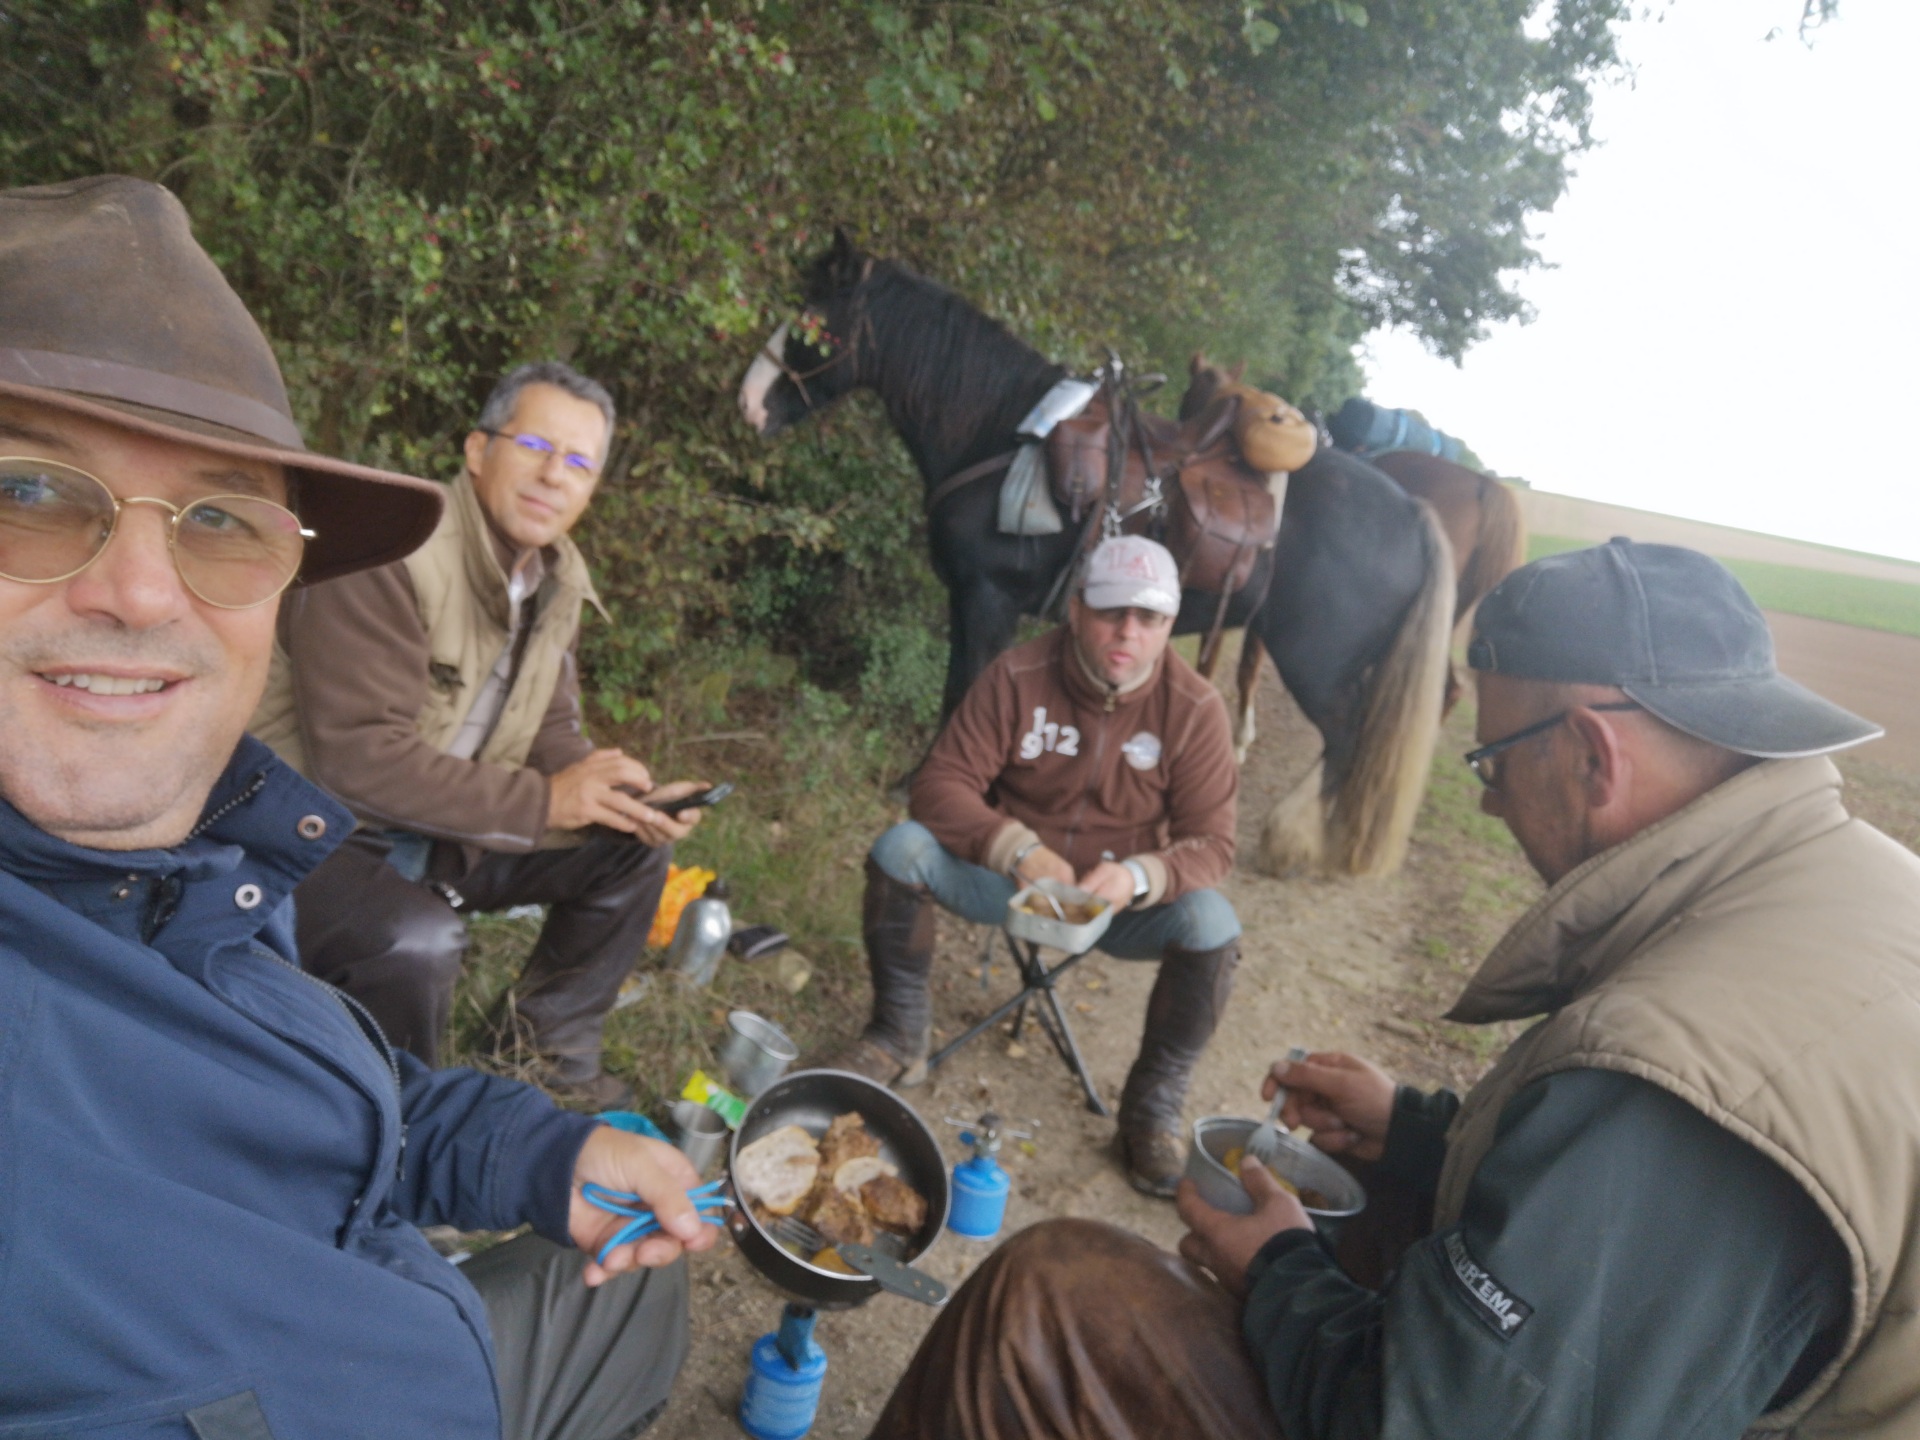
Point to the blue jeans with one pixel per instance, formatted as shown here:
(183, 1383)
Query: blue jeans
(1199, 920)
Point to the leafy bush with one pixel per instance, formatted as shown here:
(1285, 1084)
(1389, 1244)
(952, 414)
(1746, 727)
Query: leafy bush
(415, 194)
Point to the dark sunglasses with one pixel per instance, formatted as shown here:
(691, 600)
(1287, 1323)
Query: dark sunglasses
(1479, 761)
(233, 551)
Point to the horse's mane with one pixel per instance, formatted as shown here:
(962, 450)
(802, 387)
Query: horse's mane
(955, 381)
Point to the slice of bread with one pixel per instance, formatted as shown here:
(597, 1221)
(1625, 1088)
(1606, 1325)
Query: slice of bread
(778, 1169)
(854, 1173)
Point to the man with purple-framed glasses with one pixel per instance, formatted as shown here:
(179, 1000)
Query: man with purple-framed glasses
(438, 697)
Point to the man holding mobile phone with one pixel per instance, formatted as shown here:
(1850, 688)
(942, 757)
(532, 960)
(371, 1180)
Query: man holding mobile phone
(438, 697)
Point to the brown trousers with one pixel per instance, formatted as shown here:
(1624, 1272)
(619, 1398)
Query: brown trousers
(1076, 1330)
(397, 946)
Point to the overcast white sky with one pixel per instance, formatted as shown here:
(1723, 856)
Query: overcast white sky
(1732, 331)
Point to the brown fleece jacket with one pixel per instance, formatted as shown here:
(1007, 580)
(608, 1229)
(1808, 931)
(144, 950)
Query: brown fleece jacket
(1038, 748)
(360, 661)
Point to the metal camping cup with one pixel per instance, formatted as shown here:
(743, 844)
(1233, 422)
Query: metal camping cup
(1217, 1136)
(698, 1133)
(756, 1052)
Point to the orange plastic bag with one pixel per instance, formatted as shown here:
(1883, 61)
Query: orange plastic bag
(684, 883)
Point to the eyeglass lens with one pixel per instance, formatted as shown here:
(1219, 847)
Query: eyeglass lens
(232, 551)
(539, 445)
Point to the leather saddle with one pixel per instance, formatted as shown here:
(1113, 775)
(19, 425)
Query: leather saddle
(1216, 512)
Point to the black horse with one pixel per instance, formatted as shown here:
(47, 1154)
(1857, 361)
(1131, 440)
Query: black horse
(1354, 604)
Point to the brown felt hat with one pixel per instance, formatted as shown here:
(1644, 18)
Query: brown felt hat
(110, 309)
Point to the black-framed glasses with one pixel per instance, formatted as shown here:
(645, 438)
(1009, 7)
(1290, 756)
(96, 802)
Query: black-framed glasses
(232, 551)
(538, 449)
(1480, 761)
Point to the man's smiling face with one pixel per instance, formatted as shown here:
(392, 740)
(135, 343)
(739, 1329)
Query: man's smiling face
(122, 695)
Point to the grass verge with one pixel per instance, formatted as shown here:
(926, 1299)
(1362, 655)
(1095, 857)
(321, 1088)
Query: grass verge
(1862, 600)
(813, 774)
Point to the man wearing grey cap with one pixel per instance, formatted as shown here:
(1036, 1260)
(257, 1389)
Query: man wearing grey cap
(1685, 1201)
(1095, 757)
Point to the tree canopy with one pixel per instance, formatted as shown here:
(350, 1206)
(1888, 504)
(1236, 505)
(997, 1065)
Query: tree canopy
(415, 194)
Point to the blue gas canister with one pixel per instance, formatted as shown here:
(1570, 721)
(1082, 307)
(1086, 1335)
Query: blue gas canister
(783, 1386)
(980, 1186)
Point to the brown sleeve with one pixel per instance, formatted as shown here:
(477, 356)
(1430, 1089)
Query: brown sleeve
(1202, 807)
(359, 659)
(950, 790)
(560, 742)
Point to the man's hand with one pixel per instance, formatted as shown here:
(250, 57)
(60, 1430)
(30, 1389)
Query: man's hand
(1111, 881)
(1347, 1102)
(661, 1176)
(1043, 864)
(605, 789)
(1226, 1244)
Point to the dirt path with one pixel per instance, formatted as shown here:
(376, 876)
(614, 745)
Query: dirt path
(1364, 966)
(1871, 672)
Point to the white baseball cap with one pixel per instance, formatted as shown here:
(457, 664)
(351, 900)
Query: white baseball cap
(1130, 570)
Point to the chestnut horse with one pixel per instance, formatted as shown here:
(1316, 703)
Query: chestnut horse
(1481, 517)
(1354, 603)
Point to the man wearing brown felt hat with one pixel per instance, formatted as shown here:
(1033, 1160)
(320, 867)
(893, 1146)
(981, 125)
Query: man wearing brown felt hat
(212, 1166)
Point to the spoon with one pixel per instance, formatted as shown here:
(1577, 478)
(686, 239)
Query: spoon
(1264, 1144)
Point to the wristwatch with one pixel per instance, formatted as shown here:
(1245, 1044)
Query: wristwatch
(1013, 870)
(1142, 883)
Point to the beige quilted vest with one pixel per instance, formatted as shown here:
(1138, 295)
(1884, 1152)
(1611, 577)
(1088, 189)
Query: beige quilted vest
(1758, 955)
(462, 593)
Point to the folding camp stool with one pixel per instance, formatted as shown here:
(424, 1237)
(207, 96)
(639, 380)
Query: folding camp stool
(1037, 994)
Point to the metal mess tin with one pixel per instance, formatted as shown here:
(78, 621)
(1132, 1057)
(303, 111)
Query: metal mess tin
(1048, 929)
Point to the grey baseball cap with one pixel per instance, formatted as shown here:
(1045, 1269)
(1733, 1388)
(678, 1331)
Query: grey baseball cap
(1672, 628)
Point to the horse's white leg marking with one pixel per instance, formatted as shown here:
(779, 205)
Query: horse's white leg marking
(760, 377)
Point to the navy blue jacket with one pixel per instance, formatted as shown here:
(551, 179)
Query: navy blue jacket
(211, 1169)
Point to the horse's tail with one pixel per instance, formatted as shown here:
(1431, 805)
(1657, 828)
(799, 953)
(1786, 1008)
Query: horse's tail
(1499, 549)
(1371, 809)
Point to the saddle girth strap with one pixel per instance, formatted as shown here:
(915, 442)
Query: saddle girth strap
(966, 477)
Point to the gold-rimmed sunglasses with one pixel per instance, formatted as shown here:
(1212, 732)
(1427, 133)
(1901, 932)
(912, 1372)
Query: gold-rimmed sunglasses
(232, 551)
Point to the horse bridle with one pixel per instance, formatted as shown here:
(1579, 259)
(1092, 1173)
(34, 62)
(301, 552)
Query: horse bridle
(862, 325)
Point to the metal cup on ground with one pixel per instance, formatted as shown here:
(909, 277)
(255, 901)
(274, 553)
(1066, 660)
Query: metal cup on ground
(756, 1052)
(698, 1133)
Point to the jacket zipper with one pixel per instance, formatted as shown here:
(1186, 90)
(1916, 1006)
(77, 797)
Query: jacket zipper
(1092, 789)
(370, 1029)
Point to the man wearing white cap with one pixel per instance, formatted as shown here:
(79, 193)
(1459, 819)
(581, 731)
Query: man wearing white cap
(1096, 757)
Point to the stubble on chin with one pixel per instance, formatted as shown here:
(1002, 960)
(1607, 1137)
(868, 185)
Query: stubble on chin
(102, 783)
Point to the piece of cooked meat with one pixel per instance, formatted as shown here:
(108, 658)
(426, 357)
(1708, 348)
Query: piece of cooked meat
(894, 1205)
(839, 1219)
(847, 1138)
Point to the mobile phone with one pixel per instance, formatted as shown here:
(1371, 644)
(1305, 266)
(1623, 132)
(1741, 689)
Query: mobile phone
(696, 802)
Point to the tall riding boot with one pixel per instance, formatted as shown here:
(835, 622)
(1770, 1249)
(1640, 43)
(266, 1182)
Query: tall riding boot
(1189, 996)
(897, 921)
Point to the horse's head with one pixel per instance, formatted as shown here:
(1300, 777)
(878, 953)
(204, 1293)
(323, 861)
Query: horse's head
(814, 359)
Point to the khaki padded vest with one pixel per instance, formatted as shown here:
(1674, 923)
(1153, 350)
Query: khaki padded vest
(461, 590)
(1757, 955)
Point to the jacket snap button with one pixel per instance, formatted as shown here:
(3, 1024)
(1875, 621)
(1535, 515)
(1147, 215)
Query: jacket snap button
(247, 896)
(311, 827)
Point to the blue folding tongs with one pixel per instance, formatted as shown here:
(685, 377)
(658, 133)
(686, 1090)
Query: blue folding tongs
(708, 1203)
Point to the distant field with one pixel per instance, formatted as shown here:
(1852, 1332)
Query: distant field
(1822, 595)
